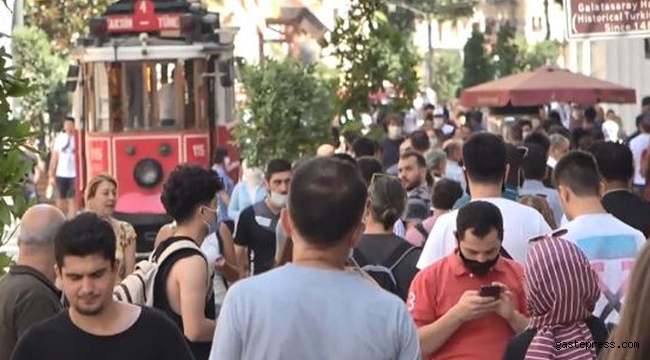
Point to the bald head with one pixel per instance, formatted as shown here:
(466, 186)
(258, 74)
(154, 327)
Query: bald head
(39, 225)
(325, 150)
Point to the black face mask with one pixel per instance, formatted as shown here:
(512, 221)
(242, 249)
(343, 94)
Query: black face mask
(477, 268)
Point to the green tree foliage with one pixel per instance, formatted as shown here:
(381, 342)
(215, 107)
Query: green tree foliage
(63, 19)
(13, 135)
(505, 50)
(288, 110)
(477, 65)
(448, 72)
(538, 55)
(371, 50)
(39, 62)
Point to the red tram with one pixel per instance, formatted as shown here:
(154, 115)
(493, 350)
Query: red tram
(155, 89)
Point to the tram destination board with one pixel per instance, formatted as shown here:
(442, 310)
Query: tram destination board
(607, 19)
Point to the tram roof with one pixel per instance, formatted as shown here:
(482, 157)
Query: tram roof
(132, 49)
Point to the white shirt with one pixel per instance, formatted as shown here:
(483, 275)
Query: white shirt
(167, 98)
(537, 188)
(637, 146)
(611, 246)
(453, 171)
(520, 222)
(65, 145)
(212, 251)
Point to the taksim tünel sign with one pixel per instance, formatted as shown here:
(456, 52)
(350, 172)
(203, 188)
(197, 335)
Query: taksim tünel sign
(606, 19)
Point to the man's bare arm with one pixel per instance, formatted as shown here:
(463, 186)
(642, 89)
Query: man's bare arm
(192, 281)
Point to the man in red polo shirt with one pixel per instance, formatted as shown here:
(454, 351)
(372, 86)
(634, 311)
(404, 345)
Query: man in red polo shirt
(456, 319)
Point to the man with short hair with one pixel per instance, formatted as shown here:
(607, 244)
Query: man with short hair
(27, 293)
(453, 170)
(418, 141)
(412, 169)
(255, 234)
(610, 244)
(616, 166)
(394, 137)
(181, 288)
(221, 162)
(456, 320)
(363, 146)
(484, 155)
(63, 171)
(274, 315)
(559, 147)
(95, 325)
(534, 169)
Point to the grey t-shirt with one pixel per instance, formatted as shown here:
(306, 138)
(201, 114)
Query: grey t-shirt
(298, 312)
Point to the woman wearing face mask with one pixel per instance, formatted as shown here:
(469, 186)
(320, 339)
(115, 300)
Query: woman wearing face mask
(100, 197)
(247, 192)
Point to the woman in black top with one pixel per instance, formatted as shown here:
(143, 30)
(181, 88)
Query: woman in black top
(561, 293)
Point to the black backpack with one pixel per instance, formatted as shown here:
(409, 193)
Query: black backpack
(383, 273)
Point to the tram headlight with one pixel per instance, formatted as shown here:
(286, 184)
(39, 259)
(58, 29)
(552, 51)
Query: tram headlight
(148, 173)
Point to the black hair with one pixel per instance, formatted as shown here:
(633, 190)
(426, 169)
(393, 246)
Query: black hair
(590, 114)
(369, 166)
(277, 166)
(338, 190)
(578, 171)
(363, 146)
(525, 122)
(484, 157)
(387, 200)
(429, 106)
(220, 155)
(645, 101)
(85, 234)
(514, 158)
(559, 129)
(615, 161)
(68, 118)
(534, 163)
(540, 140)
(445, 194)
(481, 217)
(420, 140)
(555, 117)
(419, 158)
(188, 187)
(577, 134)
(347, 158)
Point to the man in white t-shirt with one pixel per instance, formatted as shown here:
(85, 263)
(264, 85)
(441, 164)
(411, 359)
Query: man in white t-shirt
(63, 171)
(610, 244)
(484, 157)
(638, 145)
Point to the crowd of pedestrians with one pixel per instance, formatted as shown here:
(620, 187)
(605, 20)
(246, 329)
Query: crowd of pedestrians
(443, 242)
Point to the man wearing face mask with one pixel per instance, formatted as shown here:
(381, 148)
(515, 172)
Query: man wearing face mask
(455, 317)
(189, 197)
(255, 240)
(392, 141)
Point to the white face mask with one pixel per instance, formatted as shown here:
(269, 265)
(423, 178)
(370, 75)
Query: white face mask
(279, 200)
(394, 131)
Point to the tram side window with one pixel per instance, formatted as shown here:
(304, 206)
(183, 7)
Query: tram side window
(102, 97)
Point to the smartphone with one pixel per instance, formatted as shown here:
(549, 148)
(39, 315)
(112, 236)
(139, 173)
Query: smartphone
(491, 291)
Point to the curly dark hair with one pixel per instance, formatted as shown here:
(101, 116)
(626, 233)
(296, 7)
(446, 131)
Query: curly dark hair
(187, 187)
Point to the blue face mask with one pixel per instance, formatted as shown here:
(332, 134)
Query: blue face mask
(211, 225)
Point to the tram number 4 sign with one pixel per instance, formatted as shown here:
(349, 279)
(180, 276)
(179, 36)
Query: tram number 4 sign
(607, 19)
(143, 19)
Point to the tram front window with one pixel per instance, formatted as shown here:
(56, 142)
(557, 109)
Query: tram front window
(137, 95)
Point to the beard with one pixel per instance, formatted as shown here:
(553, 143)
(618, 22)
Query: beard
(88, 309)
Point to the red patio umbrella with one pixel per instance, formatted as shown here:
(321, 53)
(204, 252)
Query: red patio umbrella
(544, 85)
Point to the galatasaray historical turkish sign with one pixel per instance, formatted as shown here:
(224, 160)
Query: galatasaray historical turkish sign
(606, 19)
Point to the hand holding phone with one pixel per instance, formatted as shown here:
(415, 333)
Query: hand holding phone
(490, 291)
